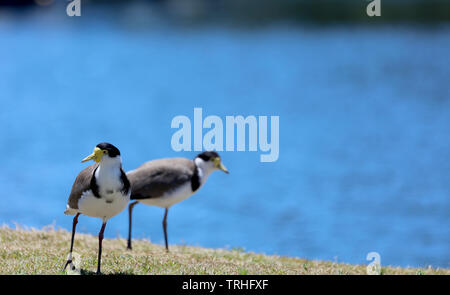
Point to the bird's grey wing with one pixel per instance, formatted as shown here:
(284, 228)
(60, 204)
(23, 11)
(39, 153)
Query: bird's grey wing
(82, 183)
(155, 178)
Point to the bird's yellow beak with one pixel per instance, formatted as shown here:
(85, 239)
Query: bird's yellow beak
(218, 164)
(96, 155)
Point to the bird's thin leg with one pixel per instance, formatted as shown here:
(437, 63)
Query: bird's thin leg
(74, 226)
(130, 212)
(100, 240)
(165, 228)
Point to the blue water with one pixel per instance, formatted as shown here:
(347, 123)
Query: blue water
(364, 131)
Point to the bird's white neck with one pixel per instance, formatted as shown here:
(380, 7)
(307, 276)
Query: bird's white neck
(204, 169)
(110, 164)
(108, 174)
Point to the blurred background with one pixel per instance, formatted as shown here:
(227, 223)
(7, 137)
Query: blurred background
(364, 106)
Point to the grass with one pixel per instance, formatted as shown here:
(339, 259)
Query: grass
(44, 251)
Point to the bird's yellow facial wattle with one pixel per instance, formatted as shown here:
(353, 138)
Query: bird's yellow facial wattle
(96, 155)
(218, 164)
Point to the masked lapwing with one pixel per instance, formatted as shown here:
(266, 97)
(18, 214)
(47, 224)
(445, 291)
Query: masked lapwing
(165, 182)
(101, 190)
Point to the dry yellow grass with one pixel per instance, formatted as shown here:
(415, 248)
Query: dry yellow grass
(44, 252)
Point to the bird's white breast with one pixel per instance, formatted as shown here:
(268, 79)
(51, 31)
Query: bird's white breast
(112, 201)
(171, 197)
(104, 208)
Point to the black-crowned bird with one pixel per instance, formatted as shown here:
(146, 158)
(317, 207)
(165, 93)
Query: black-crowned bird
(165, 182)
(101, 190)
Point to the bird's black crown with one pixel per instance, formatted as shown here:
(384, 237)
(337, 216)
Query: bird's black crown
(206, 156)
(112, 150)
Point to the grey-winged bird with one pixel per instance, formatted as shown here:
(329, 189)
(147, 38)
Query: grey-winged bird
(101, 190)
(165, 182)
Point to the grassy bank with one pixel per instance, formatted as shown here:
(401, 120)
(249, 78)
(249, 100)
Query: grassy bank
(44, 252)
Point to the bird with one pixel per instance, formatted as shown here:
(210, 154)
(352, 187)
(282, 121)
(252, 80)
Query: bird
(100, 190)
(168, 181)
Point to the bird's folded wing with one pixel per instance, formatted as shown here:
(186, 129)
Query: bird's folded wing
(154, 178)
(82, 183)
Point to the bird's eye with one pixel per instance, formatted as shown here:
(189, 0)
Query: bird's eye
(104, 152)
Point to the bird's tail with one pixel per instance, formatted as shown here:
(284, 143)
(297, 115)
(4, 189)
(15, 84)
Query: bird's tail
(70, 211)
